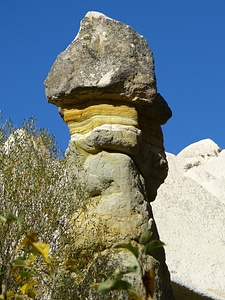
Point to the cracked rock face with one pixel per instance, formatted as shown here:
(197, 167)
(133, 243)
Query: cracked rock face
(109, 58)
(104, 85)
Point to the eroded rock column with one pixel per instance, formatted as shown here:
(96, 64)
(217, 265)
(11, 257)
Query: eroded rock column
(104, 85)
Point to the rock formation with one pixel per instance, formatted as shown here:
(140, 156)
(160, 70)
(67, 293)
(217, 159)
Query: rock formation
(105, 87)
(190, 218)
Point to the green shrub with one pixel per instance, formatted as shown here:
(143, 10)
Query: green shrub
(40, 197)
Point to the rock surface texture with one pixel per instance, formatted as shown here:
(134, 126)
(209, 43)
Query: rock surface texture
(105, 87)
(191, 218)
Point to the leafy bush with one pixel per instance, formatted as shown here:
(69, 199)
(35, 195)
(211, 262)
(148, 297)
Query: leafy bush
(117, 280)
(37, 195)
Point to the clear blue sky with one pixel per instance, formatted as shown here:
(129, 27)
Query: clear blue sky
(187, 39)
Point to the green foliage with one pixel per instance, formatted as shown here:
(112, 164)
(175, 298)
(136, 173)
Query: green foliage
(145, 237)
(116, 282)
(128, 246)
(37, 195)
(25, 263)
(149, 247)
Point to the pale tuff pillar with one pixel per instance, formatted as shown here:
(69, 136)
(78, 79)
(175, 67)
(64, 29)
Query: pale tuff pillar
(105, 87)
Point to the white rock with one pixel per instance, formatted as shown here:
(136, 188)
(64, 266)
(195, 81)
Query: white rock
(204, 147)
(190, 214)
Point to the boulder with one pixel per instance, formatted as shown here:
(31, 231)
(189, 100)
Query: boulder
(108, 60)
(190, 219)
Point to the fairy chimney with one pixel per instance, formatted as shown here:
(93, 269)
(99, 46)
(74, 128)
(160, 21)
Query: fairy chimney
(105, 87)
